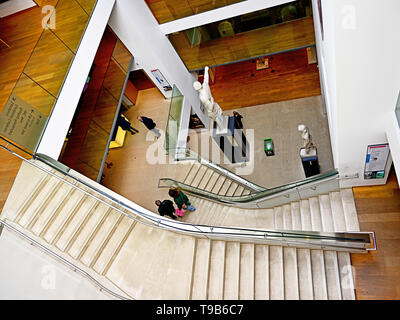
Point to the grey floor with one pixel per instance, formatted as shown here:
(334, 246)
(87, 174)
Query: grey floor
(278, 121)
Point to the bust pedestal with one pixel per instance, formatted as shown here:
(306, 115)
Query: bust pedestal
(310, 162)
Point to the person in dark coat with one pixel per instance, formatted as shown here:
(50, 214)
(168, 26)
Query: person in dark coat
(238, 120)
(150, 124)
(126, 125)
(166, 208)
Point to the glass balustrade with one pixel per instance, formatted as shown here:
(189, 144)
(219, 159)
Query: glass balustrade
(29, 106)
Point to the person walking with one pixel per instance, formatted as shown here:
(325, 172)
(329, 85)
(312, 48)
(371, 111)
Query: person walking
(126, 125)
(166, 208)
(181, 200)
(150, 124)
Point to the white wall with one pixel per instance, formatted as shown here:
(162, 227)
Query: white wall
(13, 6)
(27, 272)
(361, 69)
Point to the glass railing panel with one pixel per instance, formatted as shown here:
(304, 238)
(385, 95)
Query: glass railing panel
(276, 29)
(114, 79)
(173, 123)
(397, 110)
(122, 55)
(169, 10)
(49, 63)
(93, 149)
(24, 116)
(319, 187)
(104, 111)
(87, 5)
(71, 21)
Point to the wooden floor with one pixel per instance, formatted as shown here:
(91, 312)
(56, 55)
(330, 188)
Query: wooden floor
(377, 274)
(288, 77)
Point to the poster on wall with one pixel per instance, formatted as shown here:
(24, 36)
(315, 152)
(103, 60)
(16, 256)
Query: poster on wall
(375, 162)
(161, 80)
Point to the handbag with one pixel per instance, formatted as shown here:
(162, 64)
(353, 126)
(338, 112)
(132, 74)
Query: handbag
(179, 212)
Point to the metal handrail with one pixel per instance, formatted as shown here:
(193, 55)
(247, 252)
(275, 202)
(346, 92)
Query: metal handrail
(252, 200)
(215, 232)
(68, 263)
(181, 155)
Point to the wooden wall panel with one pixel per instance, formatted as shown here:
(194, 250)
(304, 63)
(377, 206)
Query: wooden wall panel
(258, 42)
(168, 10)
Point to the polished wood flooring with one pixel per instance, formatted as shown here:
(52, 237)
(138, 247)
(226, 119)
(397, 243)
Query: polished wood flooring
(377, 275)
(288, 77)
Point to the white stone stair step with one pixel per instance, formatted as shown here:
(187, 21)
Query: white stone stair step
(54, 225)
(98, 241)
(326, 213)
(296, 215)
(52, 208)
(265, 219)
(246, 192)
(291, 279)
(217, 267)
(218, 185)
(276, 280)
(350, 211)
(201, 270)
(114, 244)
(212, 181)
(149, 276)
(238, 191)
(206, 179)
(306, 290)
(221, 214)
(225, 187)
(232, 189)
(261, 272)
(232, 270)
(278, 218)
(315, 214)
(192, 173)
(287, 217)
(34, 207)
(199, 176)
(247, 266)
(339, 221)
(346, 276)
(306, 224)
(318, 275)
(88, 231)
(21, 191)
(72, 227)
(332, 275)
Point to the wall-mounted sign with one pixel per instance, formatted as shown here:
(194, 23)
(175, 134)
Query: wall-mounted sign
(375, 163)
(21, 123)
(161, 80)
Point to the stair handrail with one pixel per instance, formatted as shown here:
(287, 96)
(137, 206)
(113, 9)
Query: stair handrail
(252, 200)
(185, 154)
(290, 238)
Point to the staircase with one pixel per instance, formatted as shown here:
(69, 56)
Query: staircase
(148, 263)
(202, 177)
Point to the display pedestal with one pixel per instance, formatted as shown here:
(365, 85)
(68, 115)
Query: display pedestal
(232, 141)
(310, 162)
